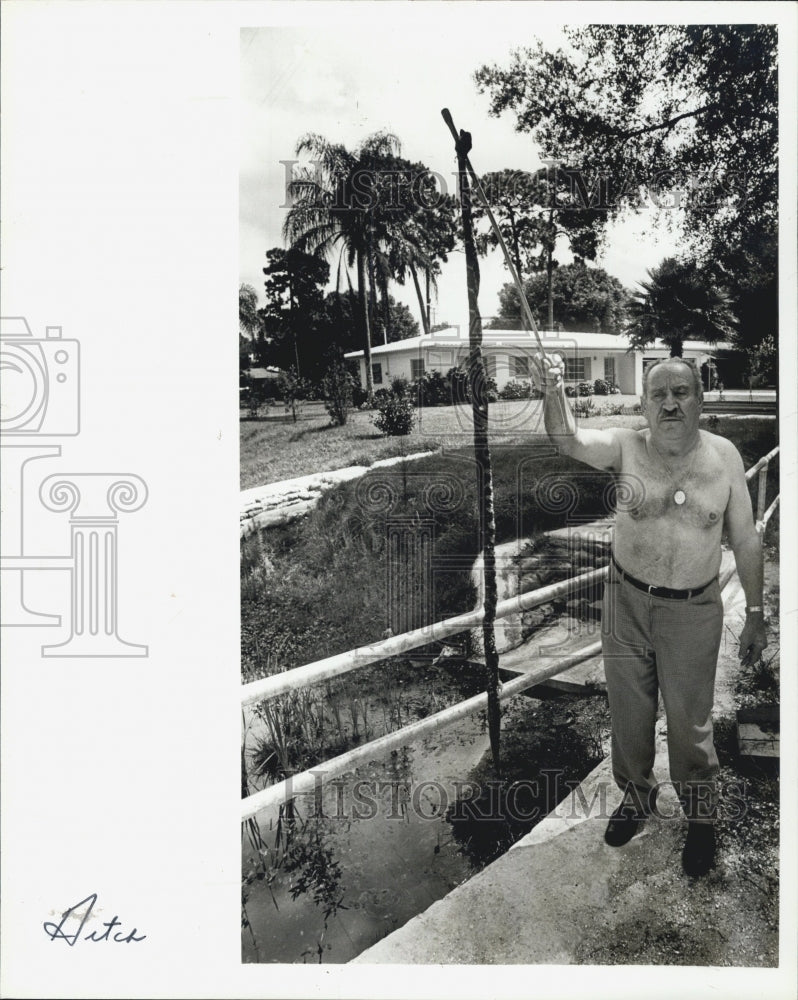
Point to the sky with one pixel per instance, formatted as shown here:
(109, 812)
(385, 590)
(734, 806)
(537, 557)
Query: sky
(350, 78)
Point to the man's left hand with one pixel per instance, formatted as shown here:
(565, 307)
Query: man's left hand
(753, 639)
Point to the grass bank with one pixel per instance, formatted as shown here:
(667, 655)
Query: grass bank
(273, 447)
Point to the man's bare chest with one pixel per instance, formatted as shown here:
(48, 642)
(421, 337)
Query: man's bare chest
(694, 498)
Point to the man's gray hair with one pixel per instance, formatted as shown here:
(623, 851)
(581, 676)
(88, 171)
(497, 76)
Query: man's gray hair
(699, 388)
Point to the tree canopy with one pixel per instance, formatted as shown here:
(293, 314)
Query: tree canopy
(584, 298)
(333, 208)
(679, 302)
(294, 301)
(340, 324)
(684, 115)
(534, 211)
(384, 213)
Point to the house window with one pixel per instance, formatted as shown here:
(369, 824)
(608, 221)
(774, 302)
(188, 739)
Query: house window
(609, 370)
(520, 367)
(490, 365)
(574, 369)
(441, 359)
(376, 373)
(416, 368)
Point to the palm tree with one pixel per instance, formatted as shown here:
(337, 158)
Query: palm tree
(249, 322)
(680, 302)
(334, 205)
(417, 229)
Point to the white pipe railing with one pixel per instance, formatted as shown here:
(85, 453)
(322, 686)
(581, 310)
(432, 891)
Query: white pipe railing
(763, 523)
(341, 663)
(306, 781)
(765, 460)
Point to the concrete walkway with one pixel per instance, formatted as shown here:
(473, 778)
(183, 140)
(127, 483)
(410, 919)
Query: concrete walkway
(562, 896)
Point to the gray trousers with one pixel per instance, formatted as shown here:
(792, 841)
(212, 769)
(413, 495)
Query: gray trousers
(652, 645)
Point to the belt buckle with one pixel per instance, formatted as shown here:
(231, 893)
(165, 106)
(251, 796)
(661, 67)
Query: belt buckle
(651, 588)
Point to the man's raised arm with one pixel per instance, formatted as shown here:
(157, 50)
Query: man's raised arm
(599, 448)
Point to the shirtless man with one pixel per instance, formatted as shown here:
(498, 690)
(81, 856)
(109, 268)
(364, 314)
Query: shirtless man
(662, 614)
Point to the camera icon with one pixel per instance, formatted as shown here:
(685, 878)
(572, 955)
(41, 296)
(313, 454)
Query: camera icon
(40, 381)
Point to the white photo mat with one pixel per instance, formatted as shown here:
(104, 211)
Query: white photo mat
(120, 168)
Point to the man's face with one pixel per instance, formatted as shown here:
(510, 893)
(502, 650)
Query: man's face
(671, 403)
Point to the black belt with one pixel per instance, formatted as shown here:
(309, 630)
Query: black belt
(649, 588)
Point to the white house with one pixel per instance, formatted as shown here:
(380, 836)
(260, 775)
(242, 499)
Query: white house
(507, 354)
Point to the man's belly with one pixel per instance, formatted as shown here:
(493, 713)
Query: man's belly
(667, 552)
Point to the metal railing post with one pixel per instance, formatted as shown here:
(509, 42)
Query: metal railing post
(761, 491)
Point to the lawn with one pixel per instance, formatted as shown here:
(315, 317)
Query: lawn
(273, 447)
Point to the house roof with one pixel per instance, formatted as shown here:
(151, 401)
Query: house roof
(454, 337)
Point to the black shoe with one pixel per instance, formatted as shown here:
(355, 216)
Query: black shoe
(698, 855)
(623, 825)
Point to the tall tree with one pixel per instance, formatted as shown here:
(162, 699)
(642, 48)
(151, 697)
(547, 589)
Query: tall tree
(583, 298)
(333, 204)
(294, 295)
(534, 211)
(416, 229)
(248, 318)
(340, 322)
(684, 115)
(679, 303)
(250, 325)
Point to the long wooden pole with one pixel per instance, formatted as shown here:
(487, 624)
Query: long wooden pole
(526, 312)
(479, 408)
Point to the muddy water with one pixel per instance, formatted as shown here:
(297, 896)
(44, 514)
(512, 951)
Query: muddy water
(376, 847)
(382, 848)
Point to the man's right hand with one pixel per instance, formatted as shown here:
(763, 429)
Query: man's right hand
(549, 371)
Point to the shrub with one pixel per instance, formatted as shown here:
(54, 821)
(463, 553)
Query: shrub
(516, 390)
(611, 410)
(584, 408)
(395, 414)
(400, 386)
(585, 389)
(251, 400)
(337, 386)
(570, 390)
(461, 389)
(294, 391)
(359, 396)
(432, 389)
(601, 387)
(614, 389)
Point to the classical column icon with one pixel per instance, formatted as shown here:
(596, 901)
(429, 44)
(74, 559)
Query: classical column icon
(94, 501)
